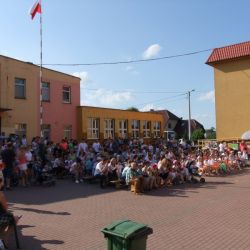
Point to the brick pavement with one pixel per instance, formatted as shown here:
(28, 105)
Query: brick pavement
(214, 215)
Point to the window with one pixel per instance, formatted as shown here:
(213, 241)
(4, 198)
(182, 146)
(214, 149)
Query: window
(169, 126)
(46, 129)
(20, 88)
(123, 128)
(45, 91)
(146, 129)
(66, 95)
(67, 132)
(157, 129)
(109, 129)
(20, 129)
(135, 125)
(93, 128)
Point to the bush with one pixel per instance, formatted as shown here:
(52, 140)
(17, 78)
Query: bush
(198, 134)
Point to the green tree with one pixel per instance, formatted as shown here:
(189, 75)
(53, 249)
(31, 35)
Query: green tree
(211, 133)
(198, 134)
(133, 109)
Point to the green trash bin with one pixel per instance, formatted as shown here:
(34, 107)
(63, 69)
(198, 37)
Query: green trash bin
(126, 235)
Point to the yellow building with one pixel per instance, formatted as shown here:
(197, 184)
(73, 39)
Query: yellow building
(105, 123)
(232, 89)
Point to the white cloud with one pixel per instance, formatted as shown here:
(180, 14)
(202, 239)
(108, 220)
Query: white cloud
(152, 51)
(102, 97)
(84, 77)
(208, 96)
(150, 106)
(131, 69)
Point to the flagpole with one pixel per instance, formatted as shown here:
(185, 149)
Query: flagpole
(41, 73)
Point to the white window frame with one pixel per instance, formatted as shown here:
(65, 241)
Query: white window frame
(67, 132)
(123, 129)
(46, 130)
(45, 91)
(109, 128)
(20, 129)
(146, 129)
(157, 129)
(20, 82)
(93, 128)
(135, 128)
(68, 92)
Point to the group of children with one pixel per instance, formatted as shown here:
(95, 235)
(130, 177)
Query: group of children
(149, 165)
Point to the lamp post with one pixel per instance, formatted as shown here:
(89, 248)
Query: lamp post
(189, 114)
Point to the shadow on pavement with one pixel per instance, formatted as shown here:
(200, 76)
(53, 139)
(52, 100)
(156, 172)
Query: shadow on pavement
(67, 190)
(38, 211)
(183, 189)
(31, 242)
(62, 191)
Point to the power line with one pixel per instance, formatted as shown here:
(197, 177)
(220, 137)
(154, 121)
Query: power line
(161, 99)
(136, 92)
(144, 92)
(130, 61)
(169, 101)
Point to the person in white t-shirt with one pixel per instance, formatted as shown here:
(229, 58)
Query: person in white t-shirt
(221, 147)
(101, 171)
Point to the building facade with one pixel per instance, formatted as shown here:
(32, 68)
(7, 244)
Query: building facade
(20, 101)
(232, 90)
(105, 123)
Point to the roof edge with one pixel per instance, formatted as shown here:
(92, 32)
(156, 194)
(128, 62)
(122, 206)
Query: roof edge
(85, 106)
(35, 65)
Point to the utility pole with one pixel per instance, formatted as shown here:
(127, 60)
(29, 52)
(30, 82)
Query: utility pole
(189, 114)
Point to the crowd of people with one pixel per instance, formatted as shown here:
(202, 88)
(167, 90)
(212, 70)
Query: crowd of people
(148, 165)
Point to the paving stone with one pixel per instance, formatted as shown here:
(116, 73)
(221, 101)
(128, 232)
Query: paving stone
(214, 215)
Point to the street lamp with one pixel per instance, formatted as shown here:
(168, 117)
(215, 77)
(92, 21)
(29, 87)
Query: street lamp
(189, 114)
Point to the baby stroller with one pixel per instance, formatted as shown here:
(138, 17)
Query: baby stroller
(43, 175)
(193, 171)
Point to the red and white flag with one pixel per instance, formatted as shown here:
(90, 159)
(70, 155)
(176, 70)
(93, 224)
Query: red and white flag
(36, 8)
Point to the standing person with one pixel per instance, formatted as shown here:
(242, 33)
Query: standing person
(22, 165)
(42, 151)
(221, 147)
(24, 140)
(8, 157)
(96, 146)
(82, 147)
(28, 156)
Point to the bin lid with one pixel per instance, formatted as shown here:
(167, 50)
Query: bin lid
(127, 229)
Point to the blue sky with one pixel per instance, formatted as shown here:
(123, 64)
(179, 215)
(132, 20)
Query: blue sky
(85, 31)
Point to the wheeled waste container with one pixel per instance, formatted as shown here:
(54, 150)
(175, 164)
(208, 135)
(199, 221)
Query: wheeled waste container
(126, 235)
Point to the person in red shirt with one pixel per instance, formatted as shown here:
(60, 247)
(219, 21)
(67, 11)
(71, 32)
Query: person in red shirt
(64, 147)
(243, 146)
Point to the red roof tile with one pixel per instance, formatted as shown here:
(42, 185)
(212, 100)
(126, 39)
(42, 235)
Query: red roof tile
(229, 52)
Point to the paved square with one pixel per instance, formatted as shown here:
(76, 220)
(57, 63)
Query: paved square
(214, 215)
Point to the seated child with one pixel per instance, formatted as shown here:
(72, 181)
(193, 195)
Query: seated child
(77, 170)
